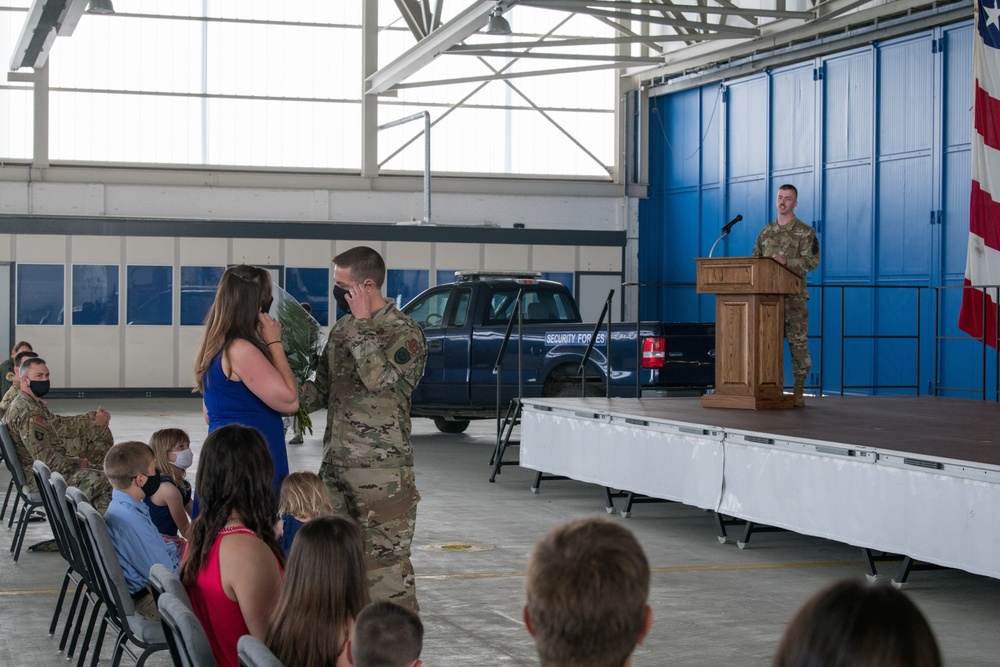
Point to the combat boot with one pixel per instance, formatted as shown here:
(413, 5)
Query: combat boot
(798, 393)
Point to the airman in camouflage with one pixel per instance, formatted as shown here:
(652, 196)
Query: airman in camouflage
(7, 375)
(374, 358)
(68, 445)
(15, 386)
(793, 244)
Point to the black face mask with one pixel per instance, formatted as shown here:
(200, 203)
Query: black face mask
(266, 308)
(339, 295)
(152, 484)
(38, 387)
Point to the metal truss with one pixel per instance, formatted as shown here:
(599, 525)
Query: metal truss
(655, 39)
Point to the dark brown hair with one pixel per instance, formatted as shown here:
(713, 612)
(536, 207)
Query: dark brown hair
(243, 290)
(587, 585)
(324, 589)
(856, 624)
(386, 635)
(789, 186)
(234, 474)
(364, 263)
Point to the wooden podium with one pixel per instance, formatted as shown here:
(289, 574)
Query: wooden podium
(749, 330)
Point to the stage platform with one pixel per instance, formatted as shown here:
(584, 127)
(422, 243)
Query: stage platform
(915, 476)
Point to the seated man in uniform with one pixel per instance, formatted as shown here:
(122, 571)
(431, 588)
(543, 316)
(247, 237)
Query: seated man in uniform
(66, 445)
(15, 388)
(587, 585)
(7, 377)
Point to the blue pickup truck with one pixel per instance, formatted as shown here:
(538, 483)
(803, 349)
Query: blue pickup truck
(465, 322)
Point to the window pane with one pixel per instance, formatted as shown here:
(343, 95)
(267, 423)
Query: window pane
(311, 286)
(95, 294)
(150, 295)
(40, 295)
(402, 285)
(198, 286)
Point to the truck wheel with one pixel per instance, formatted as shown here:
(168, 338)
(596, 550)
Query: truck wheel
(449, 426)
(573, 390)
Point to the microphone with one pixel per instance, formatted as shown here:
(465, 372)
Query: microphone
(729, 225)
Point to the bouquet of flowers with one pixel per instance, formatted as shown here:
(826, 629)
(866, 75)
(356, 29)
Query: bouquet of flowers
(300, 336)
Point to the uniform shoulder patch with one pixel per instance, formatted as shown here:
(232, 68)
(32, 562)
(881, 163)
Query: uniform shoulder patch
(413, 346)
(401, 356)
(38, 419)
(10, 376)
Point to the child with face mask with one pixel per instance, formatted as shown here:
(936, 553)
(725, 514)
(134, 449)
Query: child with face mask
(132, 472)
(170, 505)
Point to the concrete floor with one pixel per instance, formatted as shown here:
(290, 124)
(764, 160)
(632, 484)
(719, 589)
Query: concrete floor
(713, 603)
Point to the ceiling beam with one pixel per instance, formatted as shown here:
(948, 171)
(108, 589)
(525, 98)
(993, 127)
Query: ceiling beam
(469, 21)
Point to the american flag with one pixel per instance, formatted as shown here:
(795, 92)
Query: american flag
(979, 307)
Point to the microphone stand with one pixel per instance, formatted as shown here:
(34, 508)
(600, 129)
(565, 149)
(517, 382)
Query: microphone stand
(724, 235)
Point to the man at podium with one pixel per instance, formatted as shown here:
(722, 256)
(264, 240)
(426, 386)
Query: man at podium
(793, 244)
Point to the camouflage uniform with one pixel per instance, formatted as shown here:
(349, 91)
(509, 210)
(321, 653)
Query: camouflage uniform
(60, 443)
(9, 395)
(365, 378)
(797, 243)
(6, 374)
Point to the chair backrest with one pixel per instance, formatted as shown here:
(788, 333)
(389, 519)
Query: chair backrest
(189, 645)
(65, 514)
(109, 573)
(252, 652)
(164, 581)
(10, 458)
(49, 501)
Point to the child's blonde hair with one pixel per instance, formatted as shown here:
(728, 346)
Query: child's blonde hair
(303, 494)
(126, 461)
(161, 442)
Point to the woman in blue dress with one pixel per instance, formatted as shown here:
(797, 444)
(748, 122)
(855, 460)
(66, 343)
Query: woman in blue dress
(241, 370)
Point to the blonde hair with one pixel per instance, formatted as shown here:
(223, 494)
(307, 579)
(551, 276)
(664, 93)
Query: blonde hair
(243, 291)
(161, 442)
(304, 494)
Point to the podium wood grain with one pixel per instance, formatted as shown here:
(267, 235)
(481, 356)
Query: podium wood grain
(749, 332)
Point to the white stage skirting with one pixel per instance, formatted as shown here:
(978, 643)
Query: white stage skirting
(935, 510)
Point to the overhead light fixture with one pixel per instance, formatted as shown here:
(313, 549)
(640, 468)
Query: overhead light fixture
(101, 7)
(497, 24)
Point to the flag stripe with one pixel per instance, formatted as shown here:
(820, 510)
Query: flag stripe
(983, 216)
(988, 118)
(978, 315)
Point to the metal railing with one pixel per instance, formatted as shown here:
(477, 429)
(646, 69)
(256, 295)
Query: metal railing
(839, 328)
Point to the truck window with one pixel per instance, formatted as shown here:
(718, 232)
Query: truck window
(461, 314)
(540, 306)
(429, 311)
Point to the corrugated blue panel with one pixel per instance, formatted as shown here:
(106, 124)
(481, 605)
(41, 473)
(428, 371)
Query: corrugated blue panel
(751, 200)
(905, 233)
(675, 118)
(906, 97)
(711, 122)
(846, 251)
(793, 114)
(957, 85)
(746, 131)
(651, 250)
(711, 217)
(955, 218)
(848, 100)
(680, 236)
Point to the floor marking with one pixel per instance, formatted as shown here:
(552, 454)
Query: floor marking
(658, 570)
(37, 591)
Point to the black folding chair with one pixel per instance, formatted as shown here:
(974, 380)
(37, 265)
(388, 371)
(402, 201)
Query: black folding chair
(32, 500)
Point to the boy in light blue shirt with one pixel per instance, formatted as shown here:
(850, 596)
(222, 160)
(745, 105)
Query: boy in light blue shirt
(132, 472)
